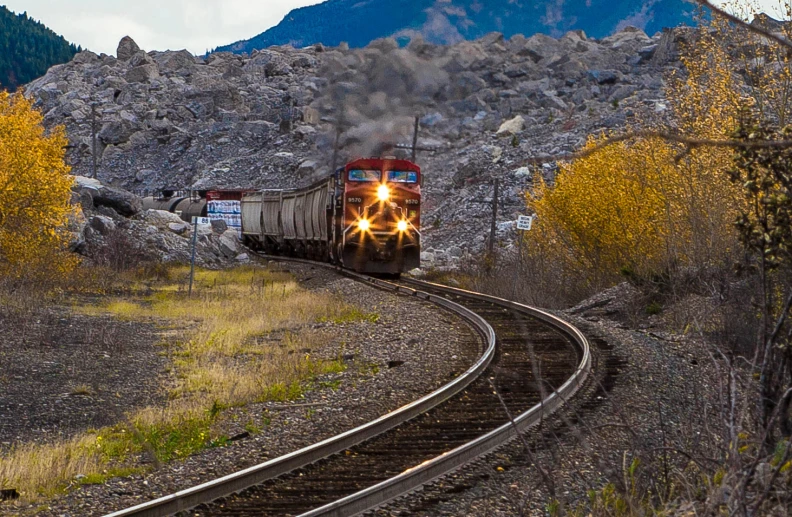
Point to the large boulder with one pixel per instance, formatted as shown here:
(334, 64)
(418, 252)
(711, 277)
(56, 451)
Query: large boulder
(229, 243)
(161, 218)
(127, 48)
(177, 61)
(115, 132)
(123, 202)
(142, 74)
(102, 224)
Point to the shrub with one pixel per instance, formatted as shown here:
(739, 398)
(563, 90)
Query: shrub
(35, 189)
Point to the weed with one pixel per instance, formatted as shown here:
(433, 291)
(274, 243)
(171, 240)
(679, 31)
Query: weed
(82, 390)
(369, 369)
(350, 314)
(252, 428)
(220, 441)
(97, 478)
(333, 385)
(654, 308)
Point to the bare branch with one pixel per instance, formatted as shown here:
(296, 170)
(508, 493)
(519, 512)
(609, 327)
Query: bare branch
(742, 23)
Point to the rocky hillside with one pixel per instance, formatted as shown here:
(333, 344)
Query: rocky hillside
(451, 21)
(168, 119)
(28, 49)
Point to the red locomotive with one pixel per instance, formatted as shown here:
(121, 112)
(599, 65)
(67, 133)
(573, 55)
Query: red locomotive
(366, 217)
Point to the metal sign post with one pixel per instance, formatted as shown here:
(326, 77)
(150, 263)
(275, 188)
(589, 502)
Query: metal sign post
(196, 221)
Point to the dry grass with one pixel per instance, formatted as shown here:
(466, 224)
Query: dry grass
(33, 468)
(247, 330)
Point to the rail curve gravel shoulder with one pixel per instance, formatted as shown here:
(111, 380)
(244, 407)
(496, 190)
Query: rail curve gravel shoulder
(238, 481)
(420, 475)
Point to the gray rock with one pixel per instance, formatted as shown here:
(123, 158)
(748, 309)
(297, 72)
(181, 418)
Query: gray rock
(127, 48)
(179, 228)
(307, 167)
(85, 57)
(523, 172)
(512, 127)
(304, 131)
(582, 95)
(160, 218)
(123, 202)
(102, 224)
(114, 133)
(243, 258)
(229, 243)
(142, 74)
(179, 61)
(622, 92)
(144, 174)
(219, 226)
(549, 100)
(604, 76)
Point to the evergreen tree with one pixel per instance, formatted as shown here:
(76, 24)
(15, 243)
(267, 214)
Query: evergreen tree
(28, 49)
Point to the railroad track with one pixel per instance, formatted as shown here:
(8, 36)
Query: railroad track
(471, 416)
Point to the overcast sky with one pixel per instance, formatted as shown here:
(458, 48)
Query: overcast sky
(196, 25)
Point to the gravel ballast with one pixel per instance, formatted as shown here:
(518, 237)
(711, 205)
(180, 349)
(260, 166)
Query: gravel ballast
(650, 391)
(407, 350)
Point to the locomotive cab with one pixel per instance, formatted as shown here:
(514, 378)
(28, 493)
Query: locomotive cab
(382, 216)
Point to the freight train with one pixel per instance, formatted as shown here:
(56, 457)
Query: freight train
(366, 217)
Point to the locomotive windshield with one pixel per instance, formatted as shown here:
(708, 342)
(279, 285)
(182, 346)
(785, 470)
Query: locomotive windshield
(364, 175)
(403, 176)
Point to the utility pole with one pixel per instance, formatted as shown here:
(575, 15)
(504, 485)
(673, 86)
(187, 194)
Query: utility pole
(291, 114)
(335, 149)
(93, 138)
(415, 139)
(493, 226)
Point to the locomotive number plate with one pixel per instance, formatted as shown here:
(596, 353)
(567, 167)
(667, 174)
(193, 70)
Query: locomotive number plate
(413, 201)
(354, 200)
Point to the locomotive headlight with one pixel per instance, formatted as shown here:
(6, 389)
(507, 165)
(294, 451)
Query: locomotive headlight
(383, 193)
(364, 225)
(402, 226)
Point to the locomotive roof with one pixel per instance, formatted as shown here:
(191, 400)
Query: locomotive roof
(379, 163)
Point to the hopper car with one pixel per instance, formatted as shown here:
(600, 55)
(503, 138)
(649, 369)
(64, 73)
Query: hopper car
(365, 216)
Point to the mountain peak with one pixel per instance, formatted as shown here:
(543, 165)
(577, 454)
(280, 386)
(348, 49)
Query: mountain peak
(451, 21)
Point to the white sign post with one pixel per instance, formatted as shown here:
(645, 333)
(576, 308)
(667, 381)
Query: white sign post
(196, 221)
(524, 224)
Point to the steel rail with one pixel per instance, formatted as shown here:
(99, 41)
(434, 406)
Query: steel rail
(430, 470)
(238, 481)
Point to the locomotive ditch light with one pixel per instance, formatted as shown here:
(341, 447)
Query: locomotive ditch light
(364, 225)
(402, 226)
(383, 193)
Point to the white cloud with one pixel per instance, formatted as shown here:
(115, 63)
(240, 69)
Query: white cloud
(157, 24)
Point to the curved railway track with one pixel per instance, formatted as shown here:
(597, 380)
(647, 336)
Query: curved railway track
(469, 417)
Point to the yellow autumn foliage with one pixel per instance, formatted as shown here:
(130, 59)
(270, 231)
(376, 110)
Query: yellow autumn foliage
(35, 188)
(650, 206)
